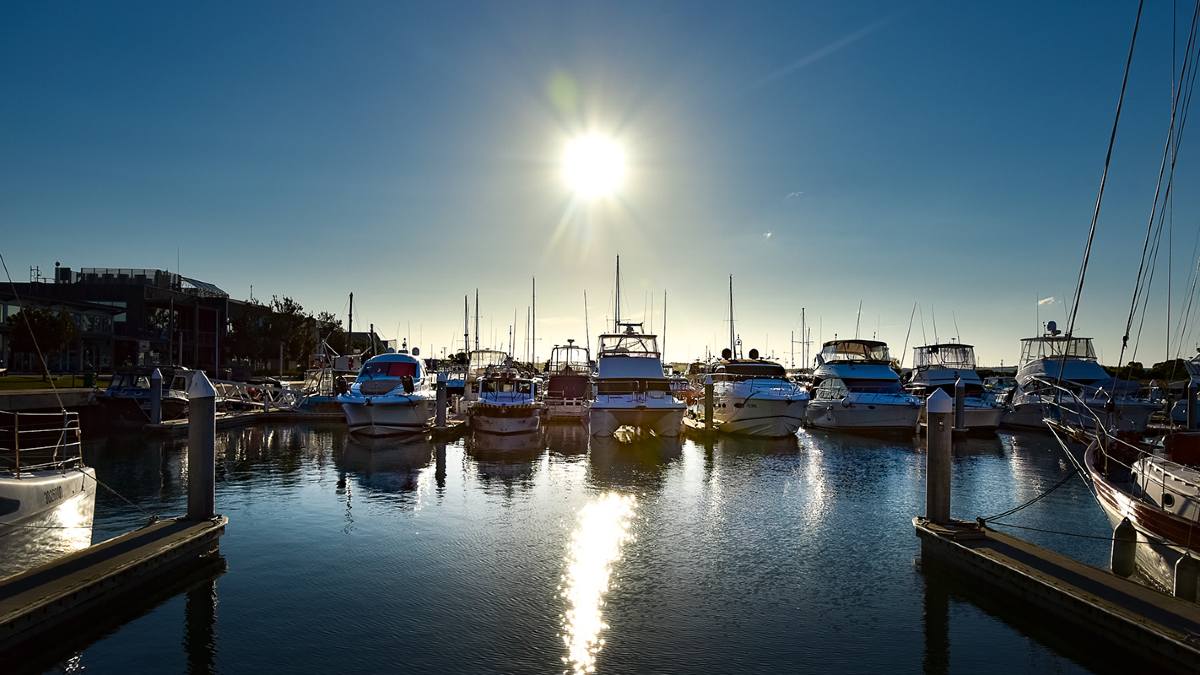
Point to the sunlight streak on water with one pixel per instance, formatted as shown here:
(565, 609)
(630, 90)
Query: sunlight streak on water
(601, 530)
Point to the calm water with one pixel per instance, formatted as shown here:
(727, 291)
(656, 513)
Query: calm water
(655, 556)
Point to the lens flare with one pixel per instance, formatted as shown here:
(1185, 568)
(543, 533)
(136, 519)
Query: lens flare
(593, 166)
(601, 531)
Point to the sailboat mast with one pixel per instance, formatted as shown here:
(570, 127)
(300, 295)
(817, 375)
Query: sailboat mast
(533, 336)
(664, 344)
(350, 321)
(803, 342)
(587, 333)
(617, 300)
(476, 318)
(732, 334)
(466, 324)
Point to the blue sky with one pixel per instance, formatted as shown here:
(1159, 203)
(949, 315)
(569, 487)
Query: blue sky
(940, 153)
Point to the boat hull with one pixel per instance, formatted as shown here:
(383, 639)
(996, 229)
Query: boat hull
(567, 411)
(979, 420)
(762, 417)
(46, 514)
(388, 419)
(1133, 417)
(662, 421)
(859, 417)
(504, 420)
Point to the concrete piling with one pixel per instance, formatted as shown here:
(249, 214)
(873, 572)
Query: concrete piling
(156, 397)
(960, 405)
(1124, 549)
(708, 403)
(1187, 578)
(202, 453)
(939, 441)
(440, 415)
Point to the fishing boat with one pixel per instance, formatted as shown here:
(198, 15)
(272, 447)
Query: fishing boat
(941, 366)
(753, 397)
(392, 395)
(47, 494)
(568, 383)
(631, 387)
(1054, 364)
(507, 403)
(856, 389)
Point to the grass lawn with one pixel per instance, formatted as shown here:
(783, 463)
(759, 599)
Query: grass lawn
(13, 382)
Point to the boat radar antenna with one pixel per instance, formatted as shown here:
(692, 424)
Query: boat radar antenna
(1052, 328)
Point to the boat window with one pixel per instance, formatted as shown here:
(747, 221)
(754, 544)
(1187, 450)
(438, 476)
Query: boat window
(507, 387)
(960, 357)
(874, 386)
(389, 369)
(832, 388)
(629, 344)
(1168, 499)
(741, 371)
(1051, 346)
(854, 350)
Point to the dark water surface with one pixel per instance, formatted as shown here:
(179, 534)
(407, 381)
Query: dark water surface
(648, 557)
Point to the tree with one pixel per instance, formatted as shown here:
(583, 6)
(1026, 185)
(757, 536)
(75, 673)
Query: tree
(33, 328)
(291, 327)
(330, 329)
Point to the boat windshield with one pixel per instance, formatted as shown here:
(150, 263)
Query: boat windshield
(389, 369)
(629, 344)
(873, 386)
(957, 356)
(1055, 346)
(569, 358)
(481, 359)
(855, 350)
(507, 386)
(745, 371)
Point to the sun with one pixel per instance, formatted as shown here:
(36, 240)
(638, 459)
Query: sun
(593, 166)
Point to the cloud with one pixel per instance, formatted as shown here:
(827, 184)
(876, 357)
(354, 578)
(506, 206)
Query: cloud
(828, 49)
(1047, 301)
(794, 195)
(768, 235)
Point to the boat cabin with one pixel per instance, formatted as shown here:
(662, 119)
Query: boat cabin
(854, 351)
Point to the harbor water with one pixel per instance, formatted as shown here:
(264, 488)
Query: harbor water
(577, 554)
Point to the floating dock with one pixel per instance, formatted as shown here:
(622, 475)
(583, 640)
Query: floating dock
(1162, 629)
(179, 428)
(84, 585)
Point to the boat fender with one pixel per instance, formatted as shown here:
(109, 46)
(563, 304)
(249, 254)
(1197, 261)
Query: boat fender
(846, 402)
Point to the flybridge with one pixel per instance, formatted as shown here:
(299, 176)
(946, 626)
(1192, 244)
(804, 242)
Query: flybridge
(629, 342)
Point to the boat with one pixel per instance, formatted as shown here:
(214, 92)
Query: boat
(126, 400)
(506, 403)
(941, 366)
(631, 387)
(753, 397)
(393, 394)
(1179, 408)
(1053, 365)
(47, 494)
(856, 389)
(328, 377)
(568, 383)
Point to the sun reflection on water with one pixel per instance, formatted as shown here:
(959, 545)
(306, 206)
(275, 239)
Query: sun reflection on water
(601, 530)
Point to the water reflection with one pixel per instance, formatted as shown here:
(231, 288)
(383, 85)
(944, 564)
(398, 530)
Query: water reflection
(635, 464)
(602, 528)
(50, 534)
(386, 465)
(199, 627)
(507, 460)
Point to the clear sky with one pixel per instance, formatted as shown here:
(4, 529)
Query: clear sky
(822, 153)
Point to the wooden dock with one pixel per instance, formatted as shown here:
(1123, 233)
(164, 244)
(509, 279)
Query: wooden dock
(179, 428)
(1123, 613)
(86, 585)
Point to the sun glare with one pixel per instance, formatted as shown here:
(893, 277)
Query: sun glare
(594, 166)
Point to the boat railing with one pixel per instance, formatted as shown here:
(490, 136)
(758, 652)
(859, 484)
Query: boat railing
(250, 394)
(1078, 419)
(34, 441)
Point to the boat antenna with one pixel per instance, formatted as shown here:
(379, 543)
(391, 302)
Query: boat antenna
(664, 336)
(587, 333)
(732, 336)
(933, 314)
(858, 318)
(957, 333)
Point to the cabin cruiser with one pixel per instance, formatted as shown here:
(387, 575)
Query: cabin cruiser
(393, 394)
(631, 386)
(856, 389)
(1179, 409)
(506, 404)
(47, 494)
(941, 366)
(754, 397)
(127, 399)
(568, 383)
(1055, 362)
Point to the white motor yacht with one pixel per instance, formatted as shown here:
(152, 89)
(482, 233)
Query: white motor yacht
(940, 366)
(631, 386)
(856, 389)
(1055, 362)
(507, 403)
(393, 394)
(754, 397)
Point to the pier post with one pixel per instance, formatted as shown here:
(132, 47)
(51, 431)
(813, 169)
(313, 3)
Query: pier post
(939, 440)
(1187, 577)
(439, 420)
(708, 403)
(202, 455)
(960, 414)
(1192, 421)
(156, 397)
(1124, 549)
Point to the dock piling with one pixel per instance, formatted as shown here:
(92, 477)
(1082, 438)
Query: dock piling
(1187, 578)
(202, 455)
(440, 418)
(156, 397)
(708, 403)
(1124, 549)
(939, 440)
(960, 414)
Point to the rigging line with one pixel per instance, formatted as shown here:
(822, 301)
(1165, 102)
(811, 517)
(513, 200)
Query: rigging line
(32, 336)
(1162, 167)
(1034, 500)
(1193, 272)
(1112, 139)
